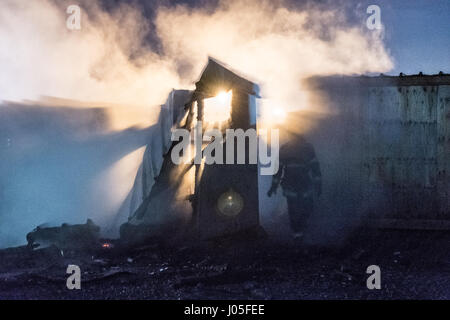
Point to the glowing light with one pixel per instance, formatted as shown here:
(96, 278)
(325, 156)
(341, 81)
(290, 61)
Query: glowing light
(218, 108)
(230, 203)
(278, 115)
(223, 97)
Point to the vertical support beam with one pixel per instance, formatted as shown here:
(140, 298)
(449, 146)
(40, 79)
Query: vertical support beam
(190, 116)
(200, 109)
(200, 112)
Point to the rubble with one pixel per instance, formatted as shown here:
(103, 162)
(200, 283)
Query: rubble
(257, 269)
(65, 237)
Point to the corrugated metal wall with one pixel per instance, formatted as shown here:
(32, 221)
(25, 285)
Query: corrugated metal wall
(400, 153)
(398, 133)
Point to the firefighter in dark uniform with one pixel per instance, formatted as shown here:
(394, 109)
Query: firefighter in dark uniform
(299, 175)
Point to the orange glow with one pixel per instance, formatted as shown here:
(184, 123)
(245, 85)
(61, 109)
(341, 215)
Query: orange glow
(218, 108)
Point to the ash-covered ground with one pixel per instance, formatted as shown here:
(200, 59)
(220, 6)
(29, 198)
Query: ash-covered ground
(414, 265)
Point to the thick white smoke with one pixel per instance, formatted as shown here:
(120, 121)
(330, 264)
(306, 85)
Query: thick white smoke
(271, 44)
(109, 60)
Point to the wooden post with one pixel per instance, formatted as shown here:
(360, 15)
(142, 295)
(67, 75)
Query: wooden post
(200, 112)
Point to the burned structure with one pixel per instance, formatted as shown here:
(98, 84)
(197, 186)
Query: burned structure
(211, 199)
(383, 148)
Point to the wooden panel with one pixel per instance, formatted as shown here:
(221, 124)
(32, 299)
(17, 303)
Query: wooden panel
(215, 179)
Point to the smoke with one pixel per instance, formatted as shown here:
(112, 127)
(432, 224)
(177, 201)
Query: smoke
(109, 59)
(272, 44)
(125, 61)
(41, 56)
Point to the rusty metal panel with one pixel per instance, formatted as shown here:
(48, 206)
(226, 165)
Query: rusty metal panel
(443, 151)
(397, 131)
(400, 151)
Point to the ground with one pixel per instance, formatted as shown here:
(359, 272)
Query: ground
(414, 265)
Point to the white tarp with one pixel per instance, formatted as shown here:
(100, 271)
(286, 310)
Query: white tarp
(171, 114)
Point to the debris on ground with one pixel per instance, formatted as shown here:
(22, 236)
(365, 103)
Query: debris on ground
(257, 269)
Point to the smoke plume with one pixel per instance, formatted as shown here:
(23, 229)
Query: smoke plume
(125, 63)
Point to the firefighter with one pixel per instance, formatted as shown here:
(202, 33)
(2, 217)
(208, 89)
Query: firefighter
(299, 175)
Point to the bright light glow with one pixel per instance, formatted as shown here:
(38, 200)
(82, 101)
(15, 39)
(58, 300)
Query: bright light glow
(230, 203)
(278, 115)
(218, 108)
(222, 97)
